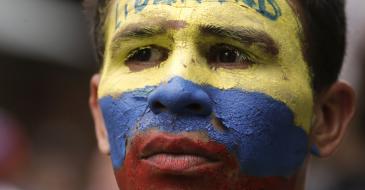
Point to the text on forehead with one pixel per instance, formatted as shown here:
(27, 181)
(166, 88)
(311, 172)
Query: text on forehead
(268, 8)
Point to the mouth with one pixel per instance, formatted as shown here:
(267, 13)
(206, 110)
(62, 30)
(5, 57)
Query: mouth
(176, 154)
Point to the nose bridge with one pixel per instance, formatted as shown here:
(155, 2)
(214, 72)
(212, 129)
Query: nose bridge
(184, 50)
(180, 96)
(180, 60)
(186, 60)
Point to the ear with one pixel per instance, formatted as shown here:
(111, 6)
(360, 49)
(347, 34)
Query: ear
(101, 132)
(334, 110)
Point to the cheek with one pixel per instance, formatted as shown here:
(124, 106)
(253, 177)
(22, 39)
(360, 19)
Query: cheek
(261, 131)
(120, 116)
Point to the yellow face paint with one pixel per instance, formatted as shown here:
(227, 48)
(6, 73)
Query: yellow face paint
(284, 75)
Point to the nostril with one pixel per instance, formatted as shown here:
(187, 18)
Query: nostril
(195, 107)
(179, 96)
(159, 106)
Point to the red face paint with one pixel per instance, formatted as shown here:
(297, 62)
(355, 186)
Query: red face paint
(157, 160)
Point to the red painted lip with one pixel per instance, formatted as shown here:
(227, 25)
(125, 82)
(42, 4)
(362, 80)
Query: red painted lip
(176, 154)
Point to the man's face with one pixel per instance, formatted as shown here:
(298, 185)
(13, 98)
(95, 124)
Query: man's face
(205, 94)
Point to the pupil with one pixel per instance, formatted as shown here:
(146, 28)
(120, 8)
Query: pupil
(143, 54)
(227, 56)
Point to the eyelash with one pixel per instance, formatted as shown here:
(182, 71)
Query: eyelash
(163, 52)
(243, 57)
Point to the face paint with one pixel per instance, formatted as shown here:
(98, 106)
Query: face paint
(249, 119)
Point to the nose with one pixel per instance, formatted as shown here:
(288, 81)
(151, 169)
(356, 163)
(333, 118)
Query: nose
(180, 96)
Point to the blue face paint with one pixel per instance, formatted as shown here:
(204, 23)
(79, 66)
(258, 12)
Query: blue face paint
(166, 2)
(139, 5)
(117, 21)
(264, 11)
(315, 150)
(259, 130)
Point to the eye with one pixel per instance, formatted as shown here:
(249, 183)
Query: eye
(227, 56)
(146, 57)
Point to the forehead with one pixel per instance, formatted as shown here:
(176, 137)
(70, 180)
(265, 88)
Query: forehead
(262, 14)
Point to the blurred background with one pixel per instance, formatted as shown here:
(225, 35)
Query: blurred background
(47, 139)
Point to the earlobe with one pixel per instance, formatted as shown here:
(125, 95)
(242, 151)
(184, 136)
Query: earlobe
(334, 110)
(100, 130)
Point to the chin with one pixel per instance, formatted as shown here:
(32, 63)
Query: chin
(159, 161)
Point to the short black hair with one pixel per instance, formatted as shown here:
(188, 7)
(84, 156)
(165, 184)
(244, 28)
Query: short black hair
(95, 11)
(323, 44)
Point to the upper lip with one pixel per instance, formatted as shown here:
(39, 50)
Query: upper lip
(178, 145)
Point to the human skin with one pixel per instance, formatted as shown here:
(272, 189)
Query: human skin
(181, 113)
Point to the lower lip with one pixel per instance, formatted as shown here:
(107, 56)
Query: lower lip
(180, 164)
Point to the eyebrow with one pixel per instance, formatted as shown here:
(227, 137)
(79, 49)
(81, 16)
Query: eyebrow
(148, 29)
(136, 31)
(243, 35)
